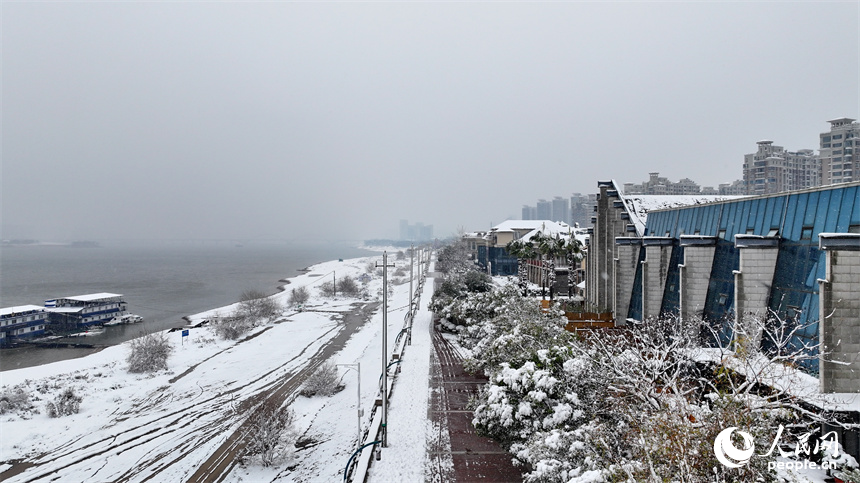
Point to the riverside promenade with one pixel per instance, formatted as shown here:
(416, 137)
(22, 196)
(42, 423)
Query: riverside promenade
(431, 437)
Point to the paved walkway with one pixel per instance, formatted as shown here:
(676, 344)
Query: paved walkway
(475, 458)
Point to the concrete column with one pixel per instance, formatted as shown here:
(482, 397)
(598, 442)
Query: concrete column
(658, 250)
(695, 273)
(839, 318)
(754, 278)
(625, 273)
(753, 281)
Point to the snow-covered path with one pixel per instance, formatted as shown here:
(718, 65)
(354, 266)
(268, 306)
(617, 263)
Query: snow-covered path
(405, 458)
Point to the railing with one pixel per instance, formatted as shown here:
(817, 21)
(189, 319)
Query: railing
(356, 469)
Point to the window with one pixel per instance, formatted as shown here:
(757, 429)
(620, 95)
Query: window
(806, 233)
(773, 232)
(825, 139)
(837, 136)
(837, 145)
(723, 298)
(722, 234)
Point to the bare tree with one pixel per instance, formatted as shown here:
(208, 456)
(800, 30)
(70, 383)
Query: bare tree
(299, 295)
(231, 328)
(270, 431)
(255, 304)
(346, 286)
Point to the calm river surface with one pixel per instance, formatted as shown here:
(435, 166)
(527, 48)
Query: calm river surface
(162, 282)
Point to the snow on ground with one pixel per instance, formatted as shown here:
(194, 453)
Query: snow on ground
(165, 425)
(405, 457)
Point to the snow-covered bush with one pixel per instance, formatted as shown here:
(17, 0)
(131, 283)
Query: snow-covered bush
(270, 432)
(324, 382)
(299, 295)
(477, 281)
(629, 404)
(65, 404)
(455, 258)
(149, 353)
(231, 328)
(15, 400)
(257, 306)
(346, 286)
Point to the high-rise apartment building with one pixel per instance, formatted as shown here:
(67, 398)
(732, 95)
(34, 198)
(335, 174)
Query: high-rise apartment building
(416, 232)
(582, 208)
(772, 169)
(544, 210)
(560, 209)
(529, 212)
(839, 163)
(657, 185)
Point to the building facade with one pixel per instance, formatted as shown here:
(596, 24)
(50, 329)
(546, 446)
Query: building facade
(839, 163)
(657, 185)
(772, 169)
(765, 256)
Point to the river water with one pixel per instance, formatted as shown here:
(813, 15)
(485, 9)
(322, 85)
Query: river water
(162, 282)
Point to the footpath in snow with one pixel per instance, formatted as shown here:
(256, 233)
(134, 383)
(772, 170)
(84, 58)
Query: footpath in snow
(405, 457)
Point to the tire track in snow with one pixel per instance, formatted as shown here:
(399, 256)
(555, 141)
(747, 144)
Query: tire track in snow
(46, 464)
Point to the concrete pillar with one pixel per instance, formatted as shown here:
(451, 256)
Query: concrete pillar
(625, 273)
(839, 318)
(754, 277)
(753, 282)
(695, 273)
(658, 250)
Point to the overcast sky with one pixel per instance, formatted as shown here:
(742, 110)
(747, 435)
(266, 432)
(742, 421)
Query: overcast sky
(336, 120)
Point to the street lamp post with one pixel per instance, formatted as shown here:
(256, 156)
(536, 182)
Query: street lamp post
(385, 266)
(357, 367)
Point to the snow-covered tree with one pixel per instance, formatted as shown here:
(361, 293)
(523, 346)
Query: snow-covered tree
(270, 432)
(149, 353)
(324, 382)
(258, 307)
(299, 295)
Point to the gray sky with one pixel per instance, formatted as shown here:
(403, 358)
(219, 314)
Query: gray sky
(336, 120)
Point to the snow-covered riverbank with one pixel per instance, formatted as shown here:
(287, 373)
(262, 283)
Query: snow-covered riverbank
(164, 426)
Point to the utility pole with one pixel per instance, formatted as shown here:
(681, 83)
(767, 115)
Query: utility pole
(334, 282)
(411, 295)
(384, 266)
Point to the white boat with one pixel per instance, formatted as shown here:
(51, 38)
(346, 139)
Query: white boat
(88, 333)
(124, 319)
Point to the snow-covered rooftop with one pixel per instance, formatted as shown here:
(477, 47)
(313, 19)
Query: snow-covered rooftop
(549, 226)
(64, 310)
(19, 309)
(639, 205)
(92, 297)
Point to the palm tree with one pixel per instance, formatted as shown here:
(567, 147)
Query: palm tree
(523, 251)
